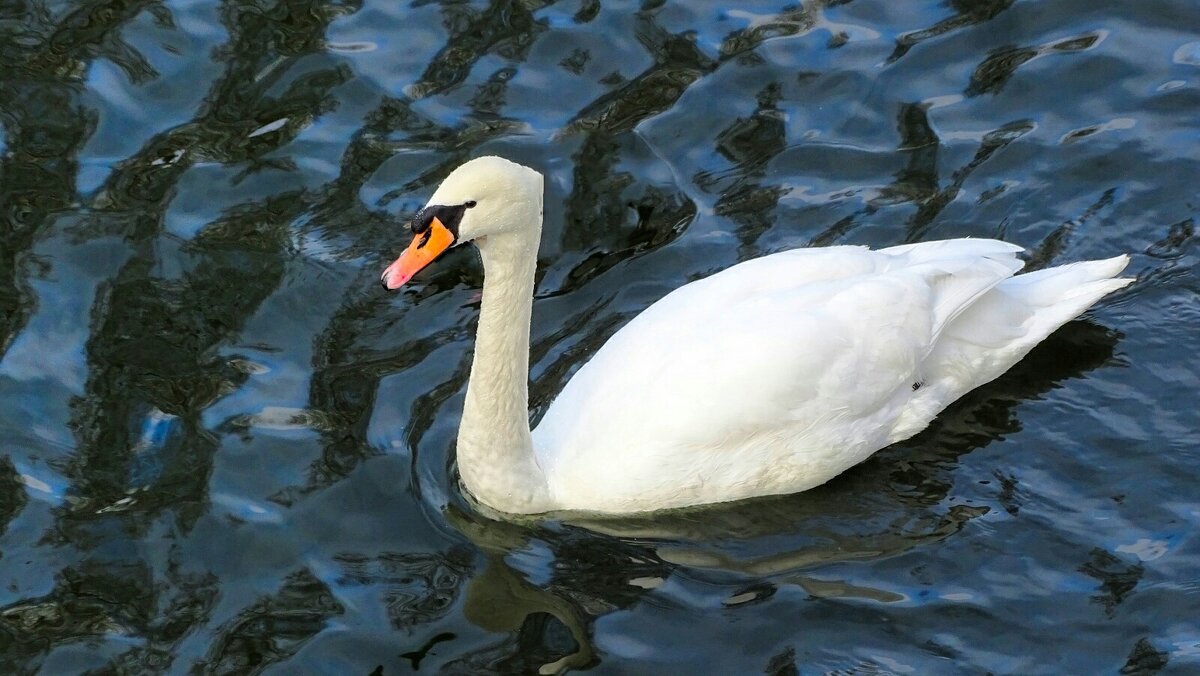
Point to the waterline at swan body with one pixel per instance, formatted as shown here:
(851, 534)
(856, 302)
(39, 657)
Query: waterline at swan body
(772, 376)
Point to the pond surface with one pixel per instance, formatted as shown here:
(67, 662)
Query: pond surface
(224, 449)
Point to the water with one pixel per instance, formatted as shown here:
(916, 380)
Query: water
(223, 449)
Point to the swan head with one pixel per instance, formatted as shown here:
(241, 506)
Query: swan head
(484, 198)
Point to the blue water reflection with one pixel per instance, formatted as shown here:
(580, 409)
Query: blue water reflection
(224, 450)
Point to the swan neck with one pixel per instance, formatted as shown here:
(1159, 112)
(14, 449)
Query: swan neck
(495, 448)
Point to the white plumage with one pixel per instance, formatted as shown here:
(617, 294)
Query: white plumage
(780, 373)
(770, 377)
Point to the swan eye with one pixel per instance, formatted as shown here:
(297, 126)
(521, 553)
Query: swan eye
(470, 204)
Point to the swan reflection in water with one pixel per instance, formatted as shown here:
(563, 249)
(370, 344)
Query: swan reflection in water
(545, 582)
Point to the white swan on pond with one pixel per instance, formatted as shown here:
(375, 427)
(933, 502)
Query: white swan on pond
(773, 376)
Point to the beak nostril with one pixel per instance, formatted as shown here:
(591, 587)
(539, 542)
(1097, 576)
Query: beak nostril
(423, 250)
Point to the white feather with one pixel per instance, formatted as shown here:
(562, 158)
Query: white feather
(780, 373)
(770, 377)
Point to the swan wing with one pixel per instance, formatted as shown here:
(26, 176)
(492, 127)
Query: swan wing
(771, 376)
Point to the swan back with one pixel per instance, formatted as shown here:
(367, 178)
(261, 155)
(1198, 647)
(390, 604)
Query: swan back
(779, 373)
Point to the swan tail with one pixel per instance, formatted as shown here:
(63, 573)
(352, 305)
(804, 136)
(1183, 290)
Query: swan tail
(1023, 310)
(1001, 327)
(1059, 294)
(1005, 324)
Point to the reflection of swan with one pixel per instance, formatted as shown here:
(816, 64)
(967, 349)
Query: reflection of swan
(771, 377)
(545, 579)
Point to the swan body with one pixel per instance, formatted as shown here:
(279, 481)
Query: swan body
(772, 376)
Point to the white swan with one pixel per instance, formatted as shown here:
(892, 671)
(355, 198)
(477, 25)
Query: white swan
(770, 377)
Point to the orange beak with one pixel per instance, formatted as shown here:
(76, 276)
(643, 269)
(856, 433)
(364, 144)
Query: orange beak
(425, 247)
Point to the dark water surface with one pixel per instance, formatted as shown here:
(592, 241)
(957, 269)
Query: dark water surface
(224, 449)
